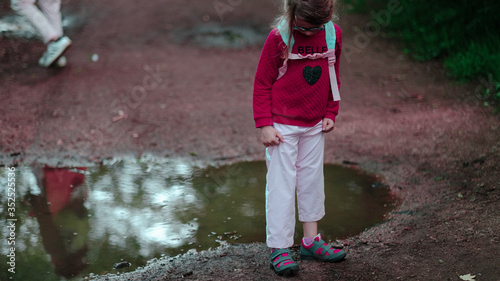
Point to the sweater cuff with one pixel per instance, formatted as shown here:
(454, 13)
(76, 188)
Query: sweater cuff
(261, 122)
(331, 116)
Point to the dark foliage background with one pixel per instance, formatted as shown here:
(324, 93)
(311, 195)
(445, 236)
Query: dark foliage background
(463, 34)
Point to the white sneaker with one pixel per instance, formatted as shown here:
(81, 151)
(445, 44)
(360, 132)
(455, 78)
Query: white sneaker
(54, 51)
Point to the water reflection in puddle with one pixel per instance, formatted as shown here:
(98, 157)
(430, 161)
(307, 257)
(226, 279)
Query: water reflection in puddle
(84, 221)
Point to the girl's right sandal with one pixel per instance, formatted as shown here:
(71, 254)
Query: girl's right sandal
(319, 250)
(283, 263)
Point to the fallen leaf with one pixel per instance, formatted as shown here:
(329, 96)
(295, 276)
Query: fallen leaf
(118, 118)
(468, 277)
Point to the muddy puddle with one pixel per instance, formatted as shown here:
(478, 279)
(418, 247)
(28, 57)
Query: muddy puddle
(71, 222)
(211, 35)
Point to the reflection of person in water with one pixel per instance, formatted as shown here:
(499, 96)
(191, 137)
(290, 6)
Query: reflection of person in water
(63, 218)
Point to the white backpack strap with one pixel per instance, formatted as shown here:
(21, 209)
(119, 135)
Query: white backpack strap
(333, 78)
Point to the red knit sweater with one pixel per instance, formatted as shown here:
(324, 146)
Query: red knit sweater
(293, 100)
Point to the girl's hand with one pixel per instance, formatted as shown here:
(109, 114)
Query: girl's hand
(328, 125)
(270, 136)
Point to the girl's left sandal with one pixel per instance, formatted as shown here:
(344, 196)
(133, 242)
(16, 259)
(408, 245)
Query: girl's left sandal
(319, 250)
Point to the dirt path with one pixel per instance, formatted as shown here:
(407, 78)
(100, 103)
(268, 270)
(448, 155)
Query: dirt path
(436, 147)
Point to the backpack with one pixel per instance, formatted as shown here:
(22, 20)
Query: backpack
(284, 31)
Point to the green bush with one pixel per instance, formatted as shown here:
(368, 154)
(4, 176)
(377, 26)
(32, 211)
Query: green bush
(361, 6)
(463, 33)
(479, 59)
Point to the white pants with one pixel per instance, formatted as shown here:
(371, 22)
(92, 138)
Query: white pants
(295, 163)
(47, 19)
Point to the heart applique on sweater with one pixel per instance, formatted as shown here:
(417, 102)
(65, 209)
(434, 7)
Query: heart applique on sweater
(312, 75)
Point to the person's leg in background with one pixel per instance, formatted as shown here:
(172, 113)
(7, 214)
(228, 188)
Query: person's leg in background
(52, 11)
(49, 25)
(39, 20)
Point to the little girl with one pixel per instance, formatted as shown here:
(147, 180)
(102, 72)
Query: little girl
(295, 101)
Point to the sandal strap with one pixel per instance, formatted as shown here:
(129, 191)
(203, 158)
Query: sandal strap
(281, 256)
(320, 247)
(278, 252)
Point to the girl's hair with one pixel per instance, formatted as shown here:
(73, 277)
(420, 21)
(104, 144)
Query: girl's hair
(315, 12)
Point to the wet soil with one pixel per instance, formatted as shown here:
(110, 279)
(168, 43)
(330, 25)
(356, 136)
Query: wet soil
(429, 138)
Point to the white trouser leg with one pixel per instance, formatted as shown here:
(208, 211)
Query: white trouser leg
(38, 19)
(310, 179)
(280, 189)
(52, 11)
(282, 179)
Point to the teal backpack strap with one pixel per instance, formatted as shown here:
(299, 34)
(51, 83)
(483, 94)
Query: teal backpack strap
(330, 35)
(284, 30)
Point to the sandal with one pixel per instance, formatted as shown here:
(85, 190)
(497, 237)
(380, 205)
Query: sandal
(283, 263)
(319, 250)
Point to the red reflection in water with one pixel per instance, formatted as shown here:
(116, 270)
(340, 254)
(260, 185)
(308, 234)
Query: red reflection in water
(62, 217)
